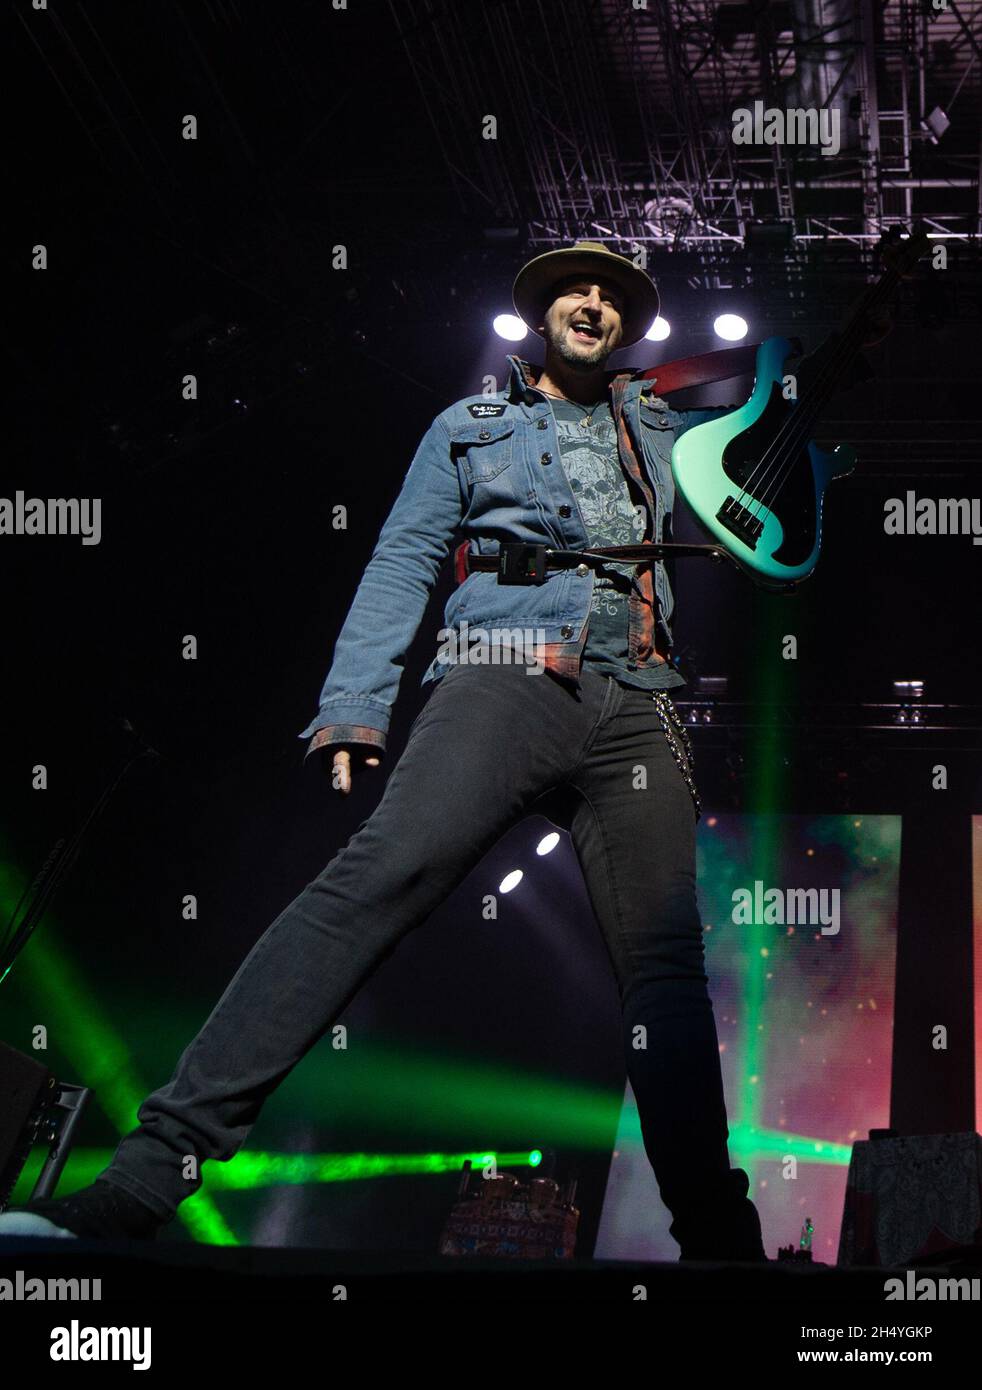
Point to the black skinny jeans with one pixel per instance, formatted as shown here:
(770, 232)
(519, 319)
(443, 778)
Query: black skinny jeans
(488, 744)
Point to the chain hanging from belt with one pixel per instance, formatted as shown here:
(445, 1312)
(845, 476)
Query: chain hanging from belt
(678, 741)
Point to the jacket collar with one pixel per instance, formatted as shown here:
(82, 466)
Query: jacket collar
(524, 375)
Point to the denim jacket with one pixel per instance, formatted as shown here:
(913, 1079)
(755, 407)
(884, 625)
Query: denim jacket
(489, 469)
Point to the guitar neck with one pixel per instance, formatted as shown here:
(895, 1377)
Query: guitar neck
(843, 347)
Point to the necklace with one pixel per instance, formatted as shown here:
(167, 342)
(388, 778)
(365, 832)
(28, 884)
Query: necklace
(588, 420)
(591, 410)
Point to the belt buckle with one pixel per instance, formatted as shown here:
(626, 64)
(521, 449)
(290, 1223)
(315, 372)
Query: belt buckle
(519, 563)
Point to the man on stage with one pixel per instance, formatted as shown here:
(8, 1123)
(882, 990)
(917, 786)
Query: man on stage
(570, 456)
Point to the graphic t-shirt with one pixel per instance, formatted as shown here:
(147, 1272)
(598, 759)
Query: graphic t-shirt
(611, 517)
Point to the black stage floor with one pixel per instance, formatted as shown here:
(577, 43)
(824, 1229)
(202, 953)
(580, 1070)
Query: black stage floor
(170, 1303)
(168, 1272)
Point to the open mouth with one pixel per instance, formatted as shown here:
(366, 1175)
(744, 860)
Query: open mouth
(584, 332)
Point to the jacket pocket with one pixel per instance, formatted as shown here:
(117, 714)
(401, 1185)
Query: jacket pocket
(658, 432)
(484, 448)
(658, 427)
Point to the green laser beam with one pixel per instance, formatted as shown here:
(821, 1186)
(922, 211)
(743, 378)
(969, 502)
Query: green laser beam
(257, 1168)
(46, 973)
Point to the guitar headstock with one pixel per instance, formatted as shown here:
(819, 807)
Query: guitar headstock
(900, 252)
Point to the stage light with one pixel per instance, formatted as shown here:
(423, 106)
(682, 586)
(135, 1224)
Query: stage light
(510, 326)
(535, 1158)
(510, 881)
(666, 217)
(731, 327)
(935, 124)
(907, 692)
(547, 843)
(712, 685)
(659, 330)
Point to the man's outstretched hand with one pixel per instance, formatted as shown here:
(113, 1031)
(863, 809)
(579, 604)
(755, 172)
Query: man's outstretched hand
(347, 758)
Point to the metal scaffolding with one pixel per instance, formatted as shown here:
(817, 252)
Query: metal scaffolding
(615, 122)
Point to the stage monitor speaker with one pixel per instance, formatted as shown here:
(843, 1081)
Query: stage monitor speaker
(28, 1090)
(911, 1197)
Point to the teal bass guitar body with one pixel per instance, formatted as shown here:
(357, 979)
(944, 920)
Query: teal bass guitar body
(754, 480)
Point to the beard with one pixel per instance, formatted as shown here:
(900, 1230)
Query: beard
(579, 361)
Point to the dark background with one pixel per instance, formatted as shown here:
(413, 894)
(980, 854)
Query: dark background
(214, 257)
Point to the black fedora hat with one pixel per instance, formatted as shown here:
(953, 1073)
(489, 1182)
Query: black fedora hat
(532, 291)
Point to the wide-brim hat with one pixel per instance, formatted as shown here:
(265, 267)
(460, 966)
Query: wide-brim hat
(532, 290)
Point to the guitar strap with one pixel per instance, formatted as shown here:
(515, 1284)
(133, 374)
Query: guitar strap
(700, 371)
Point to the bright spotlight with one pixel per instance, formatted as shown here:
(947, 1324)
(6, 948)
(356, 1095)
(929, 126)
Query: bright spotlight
(659, 330)
(510, 881)
(548, 842)
(731, 327)
(510, 326)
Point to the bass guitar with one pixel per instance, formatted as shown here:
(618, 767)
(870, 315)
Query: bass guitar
(754, 479)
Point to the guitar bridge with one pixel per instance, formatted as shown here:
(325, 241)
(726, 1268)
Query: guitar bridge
(742, 523)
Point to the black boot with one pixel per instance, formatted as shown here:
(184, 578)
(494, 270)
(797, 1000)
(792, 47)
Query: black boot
(101, 1211)
(723, 1225)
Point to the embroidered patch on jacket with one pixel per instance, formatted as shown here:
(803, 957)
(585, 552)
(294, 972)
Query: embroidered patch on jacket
(486, 409)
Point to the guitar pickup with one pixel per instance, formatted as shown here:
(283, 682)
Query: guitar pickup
(744, 525)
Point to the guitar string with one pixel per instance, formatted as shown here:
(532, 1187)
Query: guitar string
(799, 423)
(768, 478)
(797, 427)
(842, 351)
